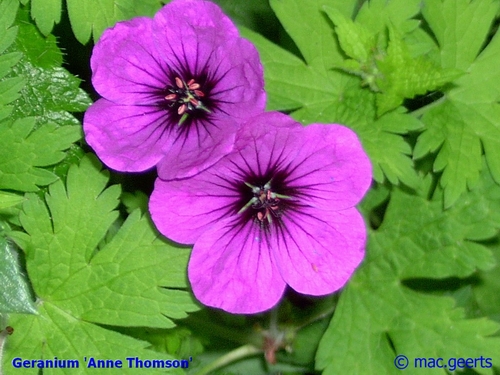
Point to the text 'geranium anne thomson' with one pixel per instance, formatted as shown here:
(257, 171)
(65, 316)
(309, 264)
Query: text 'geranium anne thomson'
(277, 210)
(175, 87)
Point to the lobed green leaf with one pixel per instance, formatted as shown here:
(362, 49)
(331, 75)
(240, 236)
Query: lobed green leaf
(46, 14)
(460, 27)
(467, 120)
(90, 18)
(379, 316)
(25, 150)
(15, 296)
(134, 279)
(404, 76)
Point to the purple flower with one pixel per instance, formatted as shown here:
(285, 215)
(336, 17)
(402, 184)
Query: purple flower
(277, 210)
(175, 87)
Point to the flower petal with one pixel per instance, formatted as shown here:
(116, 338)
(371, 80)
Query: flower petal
(231, 268)
(317, 252)
(183, 209)
(126, 138)
(187, 31)
(324, 162)
(136, 138)
(195, 38)
(239, 91)
(125, 67)
(331, 170)
(205, 145)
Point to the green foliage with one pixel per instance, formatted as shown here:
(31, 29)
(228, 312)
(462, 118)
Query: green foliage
(469, 116)
(14, 295)
(9, 86)
(359, 72)
(135, 279)
(95, 278)
(404, 76)
(9, 199)
(488, 289)
(417, 240)
(50, 92)
(314, 91)
(90, 18)
(35, 85)
(29, 150)
(46, 13)
(392, 72)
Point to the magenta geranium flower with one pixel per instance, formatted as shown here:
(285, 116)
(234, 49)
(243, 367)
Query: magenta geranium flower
(277, 210)
(175, 86)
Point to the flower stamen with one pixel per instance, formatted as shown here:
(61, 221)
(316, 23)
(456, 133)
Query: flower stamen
(266, 202)
(187, 96)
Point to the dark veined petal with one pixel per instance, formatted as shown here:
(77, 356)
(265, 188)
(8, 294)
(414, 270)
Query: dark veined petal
(126, 138)
(125, 68)
(287, 192)
(181, 85)
(183, 209)
(317, 252)
(136, 138)
(190, 154)
(239, 91)
(324, 163)
(232, 269)
(196, 39)
(186, 32)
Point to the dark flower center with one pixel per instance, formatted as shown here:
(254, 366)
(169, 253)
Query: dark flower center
(265, 203)
(186, 97)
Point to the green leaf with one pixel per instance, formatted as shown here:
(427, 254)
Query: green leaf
(46, 13)
(388, 150)
(39, 50)
(395, 73)
(469, 115)
(486, 292)
(310, 30)
(9, 86)
(8, 10)
(135, 279)
(24, 150)
(356, 41)
(376, 15)
(50, 92)
(15, 296)
(54, 333)
(7, 61)
(460, 155)
(460, 27)
(90, 18)
(9, 89)
(404, 76)
(379, 316)
(9, 200)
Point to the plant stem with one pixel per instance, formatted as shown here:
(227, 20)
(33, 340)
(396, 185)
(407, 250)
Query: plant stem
(232, 356)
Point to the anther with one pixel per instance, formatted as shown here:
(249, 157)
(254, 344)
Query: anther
(181, 109)
(179, 83)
